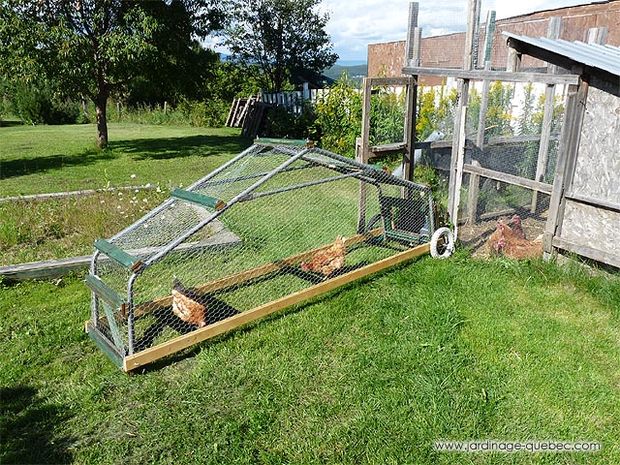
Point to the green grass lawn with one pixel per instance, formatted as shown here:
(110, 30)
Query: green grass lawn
(40, 159)
(63, 158)
(374, 373)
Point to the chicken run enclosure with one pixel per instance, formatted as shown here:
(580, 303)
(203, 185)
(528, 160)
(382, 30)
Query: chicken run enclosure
(274, 226)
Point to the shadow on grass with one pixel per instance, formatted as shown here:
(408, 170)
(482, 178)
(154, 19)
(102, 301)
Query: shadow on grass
(27, 428)
(179, 147)
(10, 123)
(31, 165)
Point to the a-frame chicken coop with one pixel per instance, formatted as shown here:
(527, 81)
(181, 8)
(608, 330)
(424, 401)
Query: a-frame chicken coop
(274, 226)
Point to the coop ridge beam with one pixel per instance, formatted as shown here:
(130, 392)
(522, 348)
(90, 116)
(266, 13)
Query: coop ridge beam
(481, 75)
(118, 255)
(179, 343)
(272, 141)
(197, 198)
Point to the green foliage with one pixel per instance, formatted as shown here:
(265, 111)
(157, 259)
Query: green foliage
(339, 117)
(498, 111)
(280, 37)
(429, 176)
(38, 104)
(94, 48)
(387, 116)
(283, 124)
(435, 112)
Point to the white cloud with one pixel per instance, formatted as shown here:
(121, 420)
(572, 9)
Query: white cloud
(355, 24)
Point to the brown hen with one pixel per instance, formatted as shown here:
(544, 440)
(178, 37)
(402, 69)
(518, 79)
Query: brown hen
(505, 241)
(186, 306)
(327, 261)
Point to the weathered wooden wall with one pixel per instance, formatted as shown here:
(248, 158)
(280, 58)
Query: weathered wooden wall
(597, 175)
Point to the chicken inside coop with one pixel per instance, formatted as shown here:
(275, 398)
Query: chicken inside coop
(509, 240)
(186, 305)
(327, 261)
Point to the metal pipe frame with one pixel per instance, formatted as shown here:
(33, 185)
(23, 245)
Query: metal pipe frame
(247, 177)
(258, 195)
(375, 177)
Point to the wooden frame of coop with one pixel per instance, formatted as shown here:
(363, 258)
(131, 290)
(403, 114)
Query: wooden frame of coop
(383, 227)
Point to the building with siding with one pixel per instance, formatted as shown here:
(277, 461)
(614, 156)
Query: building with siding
(446, 51)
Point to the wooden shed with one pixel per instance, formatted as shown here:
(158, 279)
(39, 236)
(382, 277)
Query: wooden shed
(584, 214)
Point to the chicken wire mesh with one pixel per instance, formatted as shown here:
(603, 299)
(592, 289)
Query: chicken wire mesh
(500, 157)
(283, 219)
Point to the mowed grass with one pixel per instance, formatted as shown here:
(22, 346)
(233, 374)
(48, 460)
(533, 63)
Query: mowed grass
(42, 159)
(373, 373)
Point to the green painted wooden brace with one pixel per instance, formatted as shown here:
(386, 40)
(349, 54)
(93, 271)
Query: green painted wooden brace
(117, 254)
(272, 141)
(116, 334)
(105, 345)
(104, 292)
(197, 198)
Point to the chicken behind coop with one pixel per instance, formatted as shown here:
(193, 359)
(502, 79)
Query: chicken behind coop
(508, 242)
(327, 261)
(186, 305)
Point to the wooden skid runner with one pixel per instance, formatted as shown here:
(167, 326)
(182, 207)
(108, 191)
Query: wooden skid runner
(179, 343)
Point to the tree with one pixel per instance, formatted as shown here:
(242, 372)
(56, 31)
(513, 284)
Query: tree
(281, 37)
(88, 47)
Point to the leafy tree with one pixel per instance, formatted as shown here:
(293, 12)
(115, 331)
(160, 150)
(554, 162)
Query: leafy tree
(281, 37)
(91, 48)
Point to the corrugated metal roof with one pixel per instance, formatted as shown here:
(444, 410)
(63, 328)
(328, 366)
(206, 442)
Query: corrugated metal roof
(604, 57)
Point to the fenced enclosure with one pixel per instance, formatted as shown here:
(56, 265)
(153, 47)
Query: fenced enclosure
(509, 161)
(274, 226)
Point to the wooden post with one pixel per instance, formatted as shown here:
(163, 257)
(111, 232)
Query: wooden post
(361, 214)
(412, 103)
(553, 32)
(484, 105)
(413, 23)
(472, 195)
(362, 151)
(513, 63)
(489, 32)
(460, 162)
(463, 91)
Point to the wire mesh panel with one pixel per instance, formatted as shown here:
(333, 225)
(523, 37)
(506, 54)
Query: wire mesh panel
(273, 222)
(510, 159)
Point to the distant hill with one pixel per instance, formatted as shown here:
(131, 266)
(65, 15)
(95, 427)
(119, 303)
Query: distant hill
(355, 72)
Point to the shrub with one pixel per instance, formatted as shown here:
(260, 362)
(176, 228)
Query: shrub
(37, 104)
(339, 117)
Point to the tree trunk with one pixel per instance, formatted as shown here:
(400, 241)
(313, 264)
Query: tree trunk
(102, 122)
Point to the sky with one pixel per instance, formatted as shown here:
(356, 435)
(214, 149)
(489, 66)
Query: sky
(356, 23)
